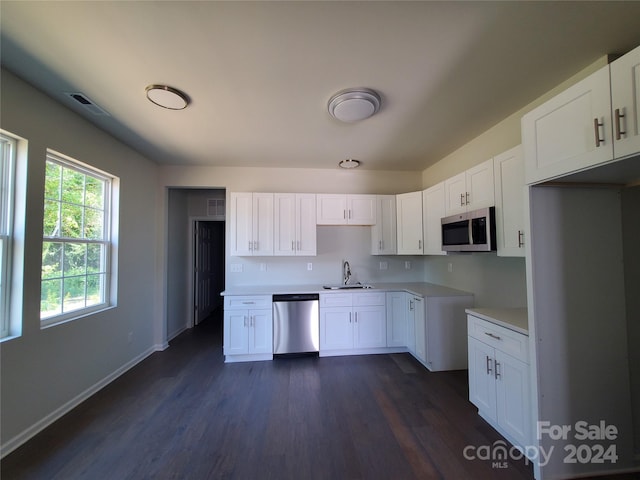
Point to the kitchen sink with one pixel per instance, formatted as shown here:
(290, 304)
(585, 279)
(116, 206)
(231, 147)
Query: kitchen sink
(353, 286)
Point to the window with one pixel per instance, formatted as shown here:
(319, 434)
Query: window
(7, 178)
(76, 246)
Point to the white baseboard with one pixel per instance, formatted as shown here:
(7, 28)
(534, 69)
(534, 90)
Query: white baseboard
(176, 333)
(13, 443)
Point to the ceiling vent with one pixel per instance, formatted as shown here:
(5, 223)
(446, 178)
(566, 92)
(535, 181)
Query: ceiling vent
(86, 103)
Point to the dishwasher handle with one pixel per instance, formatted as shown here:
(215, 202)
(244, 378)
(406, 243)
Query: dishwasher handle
(296, 297)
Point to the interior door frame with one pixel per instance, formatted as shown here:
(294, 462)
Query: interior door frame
(191, 255)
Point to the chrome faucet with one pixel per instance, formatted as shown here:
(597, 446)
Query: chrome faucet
(346, 272)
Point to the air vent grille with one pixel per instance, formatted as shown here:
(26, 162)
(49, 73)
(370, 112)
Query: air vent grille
(84, 101)
(215, 207)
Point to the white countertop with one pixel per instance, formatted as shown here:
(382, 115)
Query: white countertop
(515, 319)
(420, 289)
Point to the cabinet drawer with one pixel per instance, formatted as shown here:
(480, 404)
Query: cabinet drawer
(335, 300)
(501, 338)
(369, 298)
(238, 302)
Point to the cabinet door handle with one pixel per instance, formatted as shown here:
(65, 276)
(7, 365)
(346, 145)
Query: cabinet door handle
(250, 245)
(356, 317)
(349, 213)
(467, 197)
(618, 117)
(498, 375)
(344, 214)
(520, 238)
(462, 199)
(410, 305)
(596, 128)
(349, 317)
(492, 335)
(419, 244)
(489, 369)
(245, 320)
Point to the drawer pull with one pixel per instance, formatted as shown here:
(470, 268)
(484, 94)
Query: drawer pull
(495, 337)
(248, 303)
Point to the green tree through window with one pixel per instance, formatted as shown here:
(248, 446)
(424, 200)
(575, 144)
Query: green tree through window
(75, 248)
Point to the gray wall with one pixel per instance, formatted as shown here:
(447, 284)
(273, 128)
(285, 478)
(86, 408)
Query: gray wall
(45, 371)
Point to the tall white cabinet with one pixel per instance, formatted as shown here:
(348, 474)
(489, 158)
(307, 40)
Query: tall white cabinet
(409, 221)
(294, 224)
(383, 233)
(510, 192)
(251, 224)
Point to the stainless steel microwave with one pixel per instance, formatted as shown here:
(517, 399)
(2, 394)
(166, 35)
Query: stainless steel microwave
(473, 231)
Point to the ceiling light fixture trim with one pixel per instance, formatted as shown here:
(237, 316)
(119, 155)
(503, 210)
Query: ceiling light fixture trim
(354, 104)
(167, 97)
(349, 163)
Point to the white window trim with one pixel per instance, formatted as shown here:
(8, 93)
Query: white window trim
(108, 240)
(6, 221)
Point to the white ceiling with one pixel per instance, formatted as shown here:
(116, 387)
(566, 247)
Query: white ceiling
(260, 73)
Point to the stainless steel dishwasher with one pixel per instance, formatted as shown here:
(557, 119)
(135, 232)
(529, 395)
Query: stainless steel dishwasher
(296, 323)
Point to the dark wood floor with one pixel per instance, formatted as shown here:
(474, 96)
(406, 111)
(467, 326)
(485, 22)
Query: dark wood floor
(184, 414)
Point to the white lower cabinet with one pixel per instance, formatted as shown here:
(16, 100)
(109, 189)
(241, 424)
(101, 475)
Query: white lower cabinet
(499, 378)
(352, 322)
(397, 326)
(248, 328)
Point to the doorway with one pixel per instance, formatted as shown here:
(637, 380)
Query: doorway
(208, 267)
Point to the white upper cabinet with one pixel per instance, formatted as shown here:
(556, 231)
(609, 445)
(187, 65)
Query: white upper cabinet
(340, 209)
(571, 131)
(433, 209)
(409, 223)
(383, 233)
(251, 224)
(470, 190)
(509, 182)
(294, 224)
(625, 103)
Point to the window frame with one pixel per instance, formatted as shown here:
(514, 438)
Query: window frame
(7, 212)
(106, 240)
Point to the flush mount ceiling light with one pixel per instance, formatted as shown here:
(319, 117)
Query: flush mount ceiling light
(354, 104)
(167, 97)
(349, 163)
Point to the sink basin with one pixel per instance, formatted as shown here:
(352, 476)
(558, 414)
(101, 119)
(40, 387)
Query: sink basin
(353, 286)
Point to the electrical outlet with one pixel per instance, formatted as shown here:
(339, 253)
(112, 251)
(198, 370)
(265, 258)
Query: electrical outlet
(236, 267)
(450, 267)
(384, 265)
(263, 267)
(407, 265)
(309, 266)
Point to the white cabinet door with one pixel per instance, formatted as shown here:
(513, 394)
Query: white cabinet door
(251, 224)
(420, 329)
(294, 224)
(241, 213)
(409, 223)
(260, 331)
(571, 131)
(512, 397)
(411, 323)
(509, 182)
(433, 209)
(456, 194)
(306, 239)
(482, 386)
(396, 319)
(625, 103)
(236, 339)
(370, 329)
(284, 224)
(331, 209)
(480, 188)
(336, 328)
(361, 209)
(383, 233)
(263, 224)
